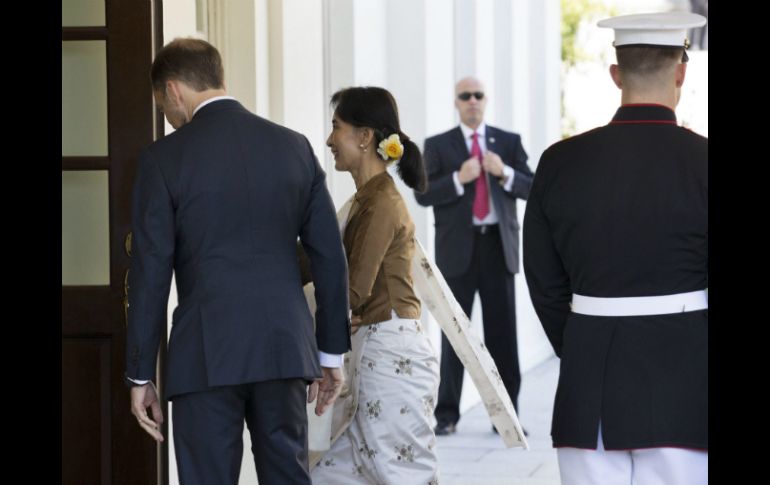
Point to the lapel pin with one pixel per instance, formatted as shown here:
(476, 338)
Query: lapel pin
(491, 139)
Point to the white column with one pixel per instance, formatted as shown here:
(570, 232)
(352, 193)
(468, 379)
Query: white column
(464, 38)
(474, 42)
(537, 110)
(356, 36)
(521, 80)
(407, 81)
(296, 67)
(512, 34)
(373, 34)
(545, 69)
(339, 72)
(178, 19)
(485, 52)
(439, 67)
(552, 66)
(503, 54)
(275, 59)
(440, 114)
(233, 32)
(239, 30)
(262, 57)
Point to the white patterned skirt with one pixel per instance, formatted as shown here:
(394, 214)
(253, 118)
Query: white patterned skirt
(384, 421)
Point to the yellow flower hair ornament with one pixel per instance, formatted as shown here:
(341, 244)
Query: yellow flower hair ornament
(391, 148)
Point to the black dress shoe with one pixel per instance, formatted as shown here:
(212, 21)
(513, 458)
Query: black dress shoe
(445, 429)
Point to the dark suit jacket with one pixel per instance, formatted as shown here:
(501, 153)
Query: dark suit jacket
(444, 154)
(622, 211)
(221, 202)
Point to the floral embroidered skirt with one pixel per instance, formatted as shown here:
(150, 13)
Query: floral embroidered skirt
(384, 423)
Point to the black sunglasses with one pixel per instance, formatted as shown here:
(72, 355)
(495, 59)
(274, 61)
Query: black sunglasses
(465, 96)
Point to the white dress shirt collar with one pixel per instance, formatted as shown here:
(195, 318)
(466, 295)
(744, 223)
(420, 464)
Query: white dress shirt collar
(211, 100)
(468, 131)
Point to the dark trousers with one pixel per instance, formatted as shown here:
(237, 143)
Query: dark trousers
(208, 433)
(487, 274)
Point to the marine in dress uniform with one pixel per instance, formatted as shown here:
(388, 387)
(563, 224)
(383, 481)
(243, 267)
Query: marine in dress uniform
(616, 258)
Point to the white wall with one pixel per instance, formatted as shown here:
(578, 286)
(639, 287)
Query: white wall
(296, 75)
(537, 116)
(418, 49)
(284, 60)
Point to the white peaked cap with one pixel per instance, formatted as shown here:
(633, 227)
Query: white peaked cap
(655, 29)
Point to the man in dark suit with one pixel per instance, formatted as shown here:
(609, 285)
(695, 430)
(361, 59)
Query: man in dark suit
(221, 202)
(475, 174)
(616, 258)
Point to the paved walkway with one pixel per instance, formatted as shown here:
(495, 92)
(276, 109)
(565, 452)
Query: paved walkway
(475, 455)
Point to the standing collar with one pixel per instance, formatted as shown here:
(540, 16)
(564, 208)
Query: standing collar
(372, 186)
(656, 114)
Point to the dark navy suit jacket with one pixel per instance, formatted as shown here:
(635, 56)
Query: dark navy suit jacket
(445, 154)
(221, 202)
(622, 211)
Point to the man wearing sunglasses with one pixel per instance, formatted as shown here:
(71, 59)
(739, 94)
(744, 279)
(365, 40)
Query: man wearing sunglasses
(475, 174)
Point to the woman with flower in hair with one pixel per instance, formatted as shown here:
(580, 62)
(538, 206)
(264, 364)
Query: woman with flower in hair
(382, 427)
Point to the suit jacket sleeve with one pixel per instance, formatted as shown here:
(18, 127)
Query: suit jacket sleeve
(152, 259)
(304, 265)
(441, 188)
(548, 282)
(522, 179)
(321, 241)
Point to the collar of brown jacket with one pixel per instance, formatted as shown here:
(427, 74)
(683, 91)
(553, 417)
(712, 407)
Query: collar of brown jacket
(372, 186)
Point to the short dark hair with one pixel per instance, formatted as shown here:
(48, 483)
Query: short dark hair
(192, 61)
(375, 108)
(643, 61)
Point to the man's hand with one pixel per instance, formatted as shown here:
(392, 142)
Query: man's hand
(493, 163)
(326, 389)
(469, 171)
(143, 397)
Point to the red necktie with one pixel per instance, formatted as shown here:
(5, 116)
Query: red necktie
(481, 201)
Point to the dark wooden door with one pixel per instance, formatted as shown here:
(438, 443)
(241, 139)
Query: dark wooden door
(108, 115)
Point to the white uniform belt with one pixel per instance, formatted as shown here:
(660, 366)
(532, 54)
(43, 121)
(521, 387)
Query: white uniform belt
(640, 305)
